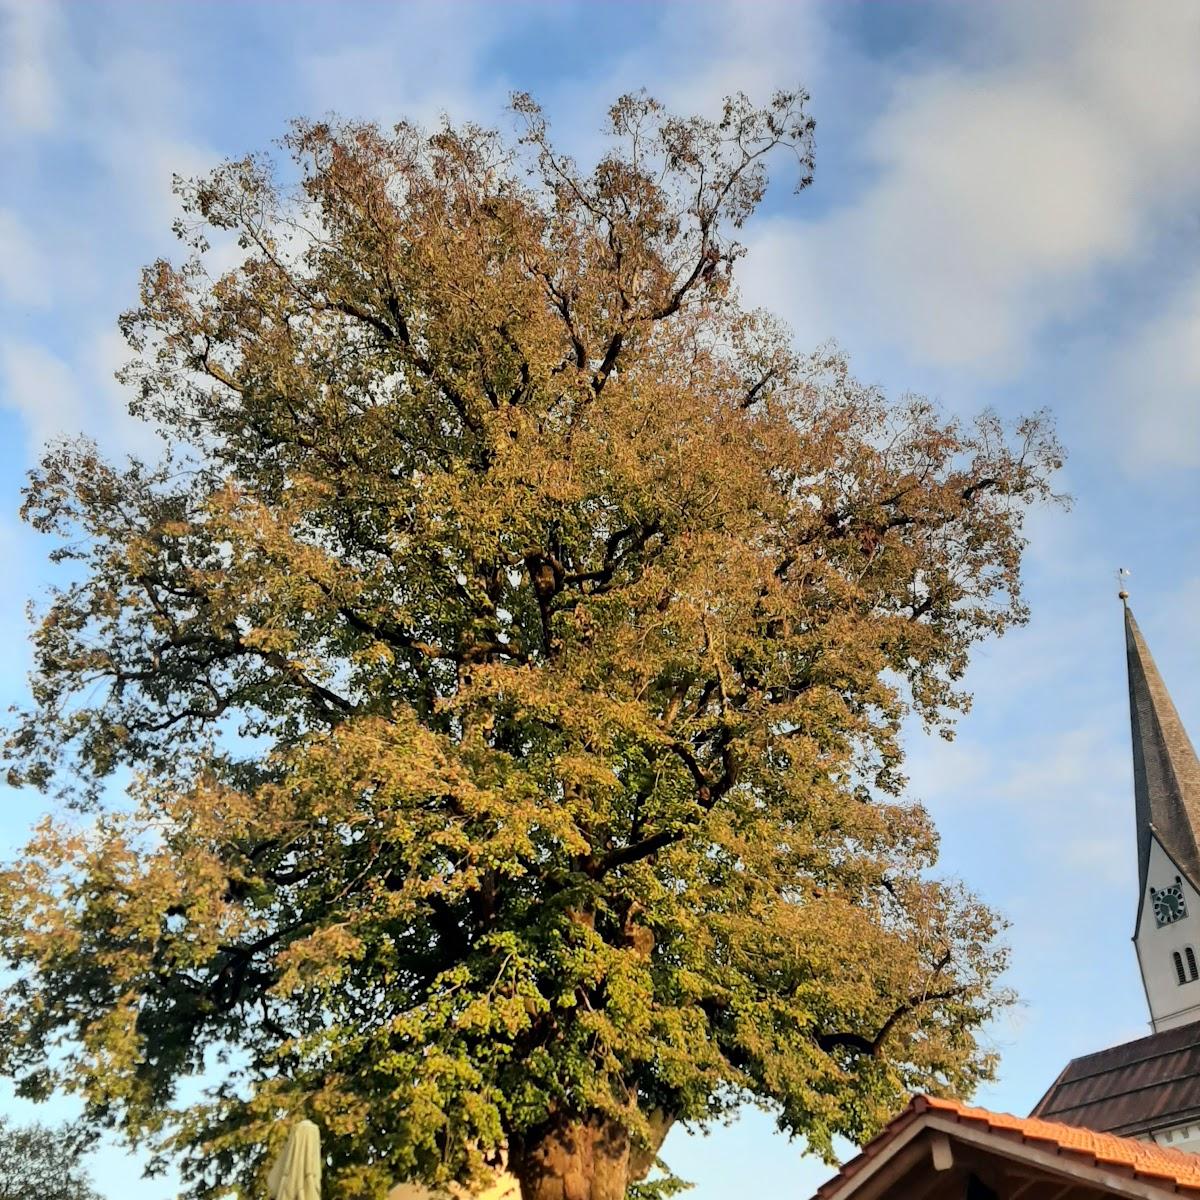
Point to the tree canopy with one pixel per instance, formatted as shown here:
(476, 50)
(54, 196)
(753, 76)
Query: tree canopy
(486, 717)
(38, 1163)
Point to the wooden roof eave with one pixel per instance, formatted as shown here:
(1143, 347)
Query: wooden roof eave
(928, 1131)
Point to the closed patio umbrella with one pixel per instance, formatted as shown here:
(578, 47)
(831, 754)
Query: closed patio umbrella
(296, 1174)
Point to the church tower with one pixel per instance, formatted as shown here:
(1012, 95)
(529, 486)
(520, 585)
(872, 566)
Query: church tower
(1150, 1088)
(1166, 790)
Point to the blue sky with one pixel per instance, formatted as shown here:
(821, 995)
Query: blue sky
(1005, 213)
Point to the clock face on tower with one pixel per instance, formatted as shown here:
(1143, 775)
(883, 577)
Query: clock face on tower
(1168, 902)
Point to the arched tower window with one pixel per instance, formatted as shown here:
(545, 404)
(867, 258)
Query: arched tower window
(1189, 956)
(1177, 959)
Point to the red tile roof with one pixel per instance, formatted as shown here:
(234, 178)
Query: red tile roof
(1176, 1169)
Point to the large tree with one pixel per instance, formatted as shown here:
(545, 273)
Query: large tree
(500, 680)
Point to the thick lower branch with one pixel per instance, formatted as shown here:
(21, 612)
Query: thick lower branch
(873, 1046)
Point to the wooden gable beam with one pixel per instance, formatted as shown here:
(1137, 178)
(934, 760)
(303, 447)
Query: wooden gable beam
(1071, 1170)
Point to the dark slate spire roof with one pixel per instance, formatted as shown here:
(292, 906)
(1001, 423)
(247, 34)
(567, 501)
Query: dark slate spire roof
(1166, 771)
(1132, 1089)
(1152, 1083)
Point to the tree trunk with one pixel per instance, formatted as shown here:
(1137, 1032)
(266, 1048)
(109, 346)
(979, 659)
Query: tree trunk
(585, 1159)
(643, 1157)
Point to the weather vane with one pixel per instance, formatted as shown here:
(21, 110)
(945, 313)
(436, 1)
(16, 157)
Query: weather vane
(1122, 575)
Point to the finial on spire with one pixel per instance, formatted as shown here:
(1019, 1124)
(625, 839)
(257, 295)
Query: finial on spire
(1123, 594)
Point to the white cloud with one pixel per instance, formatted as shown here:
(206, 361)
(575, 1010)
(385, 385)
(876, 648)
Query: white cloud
(1151, 391)
(1076, 763)
(142, 146)
(947, 773)
(80, 249)
(1166, 604)
(421, 64)
(42, 388)
(706, 52)
(29, 98)
(106, 411)
(55, 398)
(999, 188)
(24, 269)
(1178, 611)
(125, 118)
(698, 54)
(146, 160)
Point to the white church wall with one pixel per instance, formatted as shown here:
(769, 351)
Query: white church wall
(1171, 1003)
(1182, 1137)
(505, 1188)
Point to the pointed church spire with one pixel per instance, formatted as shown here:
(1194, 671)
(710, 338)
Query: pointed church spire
(1166, 771)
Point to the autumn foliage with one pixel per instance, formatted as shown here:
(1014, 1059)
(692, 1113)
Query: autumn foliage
(483, 725)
